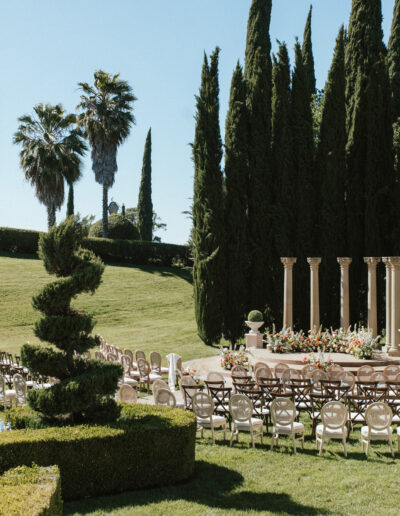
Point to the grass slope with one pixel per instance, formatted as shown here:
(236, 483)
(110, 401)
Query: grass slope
(149, 308)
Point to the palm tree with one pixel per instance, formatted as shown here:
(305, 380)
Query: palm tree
(107, 118)
(52, 147)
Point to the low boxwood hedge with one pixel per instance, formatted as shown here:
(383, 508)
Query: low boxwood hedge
(135, 252)
(148, 446)
(31, 491)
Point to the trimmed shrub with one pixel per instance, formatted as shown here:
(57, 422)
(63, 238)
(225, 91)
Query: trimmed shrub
(134, 252)
(25, 417)
(148, 446)
(34, 491)
(118, 227)
(255, 316)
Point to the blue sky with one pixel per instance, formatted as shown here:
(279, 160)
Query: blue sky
(48, 46)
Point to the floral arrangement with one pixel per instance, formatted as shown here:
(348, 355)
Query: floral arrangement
(230, 359)
(192, 372)
(318, 361)
(359, 342)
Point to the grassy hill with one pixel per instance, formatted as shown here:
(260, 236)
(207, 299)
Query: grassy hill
(149, 308)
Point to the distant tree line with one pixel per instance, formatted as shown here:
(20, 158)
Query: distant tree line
(307, 173)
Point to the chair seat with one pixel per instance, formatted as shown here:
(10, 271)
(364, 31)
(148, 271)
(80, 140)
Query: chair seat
(217, 421)
(134, 374)
(285, 429)
(332, 433)
(377, 434)
(130, 381)
(10, 393)
(245, 424)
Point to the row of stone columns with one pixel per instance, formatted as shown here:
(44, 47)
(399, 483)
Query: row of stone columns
(392, 265)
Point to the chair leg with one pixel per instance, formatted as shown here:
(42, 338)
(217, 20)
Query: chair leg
(344, 447)
(261, 435)
(225, 431)
(398, 443)
(391, 446)
(367, 448)
(232, 434)
(252, 438)
(321, 445)
(302, 442)
(294, 444)
(213, 434)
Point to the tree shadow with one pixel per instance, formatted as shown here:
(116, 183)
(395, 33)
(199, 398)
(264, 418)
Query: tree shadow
(184, 273)
(22, 256)
(211, 485)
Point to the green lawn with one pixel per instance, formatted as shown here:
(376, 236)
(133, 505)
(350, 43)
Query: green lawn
(150, 308)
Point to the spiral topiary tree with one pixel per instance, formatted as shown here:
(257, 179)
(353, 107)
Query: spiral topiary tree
(86, 387)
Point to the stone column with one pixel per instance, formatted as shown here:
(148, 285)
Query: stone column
(314, 289)
(388, 266)
(395, 315)
(288, 292)
(372, 262)
(344, 292)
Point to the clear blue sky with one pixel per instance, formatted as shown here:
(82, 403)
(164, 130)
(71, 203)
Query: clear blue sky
(48, 46)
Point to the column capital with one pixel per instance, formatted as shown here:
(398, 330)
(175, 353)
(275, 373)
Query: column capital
(372, 260)
(394, 262)
(314, 262)
(344, 261)
(288, 262)
(386, 261)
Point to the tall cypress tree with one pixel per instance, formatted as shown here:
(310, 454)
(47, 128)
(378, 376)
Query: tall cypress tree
(208, 215)
(236, 177)
(394, 61)
(369, 145)
(331, 169)
(303, 162)
(258, 71)
(282, 164)
(307, 53)
(145, 205)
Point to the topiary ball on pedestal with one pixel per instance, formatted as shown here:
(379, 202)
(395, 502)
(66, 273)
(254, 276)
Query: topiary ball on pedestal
(86, 387)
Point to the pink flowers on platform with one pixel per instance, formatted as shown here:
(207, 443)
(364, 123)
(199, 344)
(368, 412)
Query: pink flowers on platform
(230, 359)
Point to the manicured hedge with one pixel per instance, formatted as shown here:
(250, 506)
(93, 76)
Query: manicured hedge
(134, 252)
(31, 491)
(148, 446)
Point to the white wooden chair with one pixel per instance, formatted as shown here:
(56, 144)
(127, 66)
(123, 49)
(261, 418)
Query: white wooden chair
(130, 377)
(203, 407)
(155, 363)
(165, 397)
(146, 376)
(7, 396)
(283, 412)
(241, 410)
(378, 417)
(127, 393)
(333, 426)
(20, 389)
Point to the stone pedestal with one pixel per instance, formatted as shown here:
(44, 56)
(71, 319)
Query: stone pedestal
(388, 302)
(288, 291)
(372, 262)
(314, 289)
(395, 314)
(344, 263)
(254, 340)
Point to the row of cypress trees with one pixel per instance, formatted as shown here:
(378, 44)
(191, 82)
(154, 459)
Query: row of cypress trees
(284, 192)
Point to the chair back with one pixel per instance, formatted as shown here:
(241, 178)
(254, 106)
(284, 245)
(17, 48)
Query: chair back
(334, 371)
(127, 393)
(308, 370)
(239, 370)
(215, 376)
(143, 367)
(240, 407)
(279, 368)
(348, 379)
(126, 364)
(289, 374)
(263, 371)
(111, 357)
(98, 355)
(316, 377)
(129, 353)
(203, 405)
(364, 373)
(283, 411)
(2, 387)
(20, 387)
(139, 354)
(155, 360)
(187, 380)
(165, 397)
(259, 364)
(86, 354)
(378, 415)
(159, 384)
(379, 377)
(391, 371)
(334, 414)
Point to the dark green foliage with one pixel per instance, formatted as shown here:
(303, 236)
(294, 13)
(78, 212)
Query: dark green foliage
(70, 201)
(255, 316)
(369, 150)
(31, 490)
(306, 205)
(208, 211)
(331, 169)
(86, 387)
(134, 252)
(236, 178)
(393, 57)
(118, 227)
(282, 163)
(308, 57)
(258, 36)
(145, 206)
(100, 460)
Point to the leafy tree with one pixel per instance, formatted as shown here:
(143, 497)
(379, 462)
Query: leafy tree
(236, 177)
(119, 227)
(208, 214)
(86, 387)
(107, 119)
(308, 57)
(145, 206)
(331, 169)
(52, 148)
(158, 224)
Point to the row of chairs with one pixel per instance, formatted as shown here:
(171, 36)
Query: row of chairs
(16, 395)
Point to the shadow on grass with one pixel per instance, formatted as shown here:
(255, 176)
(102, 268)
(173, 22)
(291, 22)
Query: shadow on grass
(211, 485)
(22, 256)
(184, 273)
